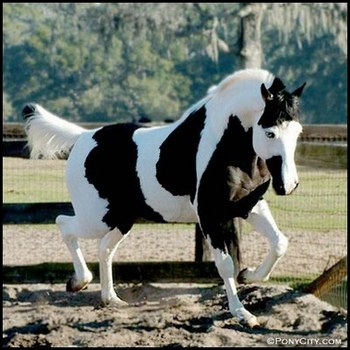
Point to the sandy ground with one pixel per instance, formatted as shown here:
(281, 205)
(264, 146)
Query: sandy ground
(309, 253)
(171, 315)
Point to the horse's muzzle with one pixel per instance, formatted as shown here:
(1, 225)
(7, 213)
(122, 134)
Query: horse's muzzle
(283, 185)
(280, 189)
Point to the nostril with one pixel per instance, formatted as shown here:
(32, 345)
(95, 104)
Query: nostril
(296, 185)
(280, 190)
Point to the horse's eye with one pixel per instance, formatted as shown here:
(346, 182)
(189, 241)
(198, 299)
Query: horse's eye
(270, 134)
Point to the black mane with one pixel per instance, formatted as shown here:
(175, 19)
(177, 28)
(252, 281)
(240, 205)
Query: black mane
(284, 106)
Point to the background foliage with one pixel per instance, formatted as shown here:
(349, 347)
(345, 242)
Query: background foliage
(121, 61)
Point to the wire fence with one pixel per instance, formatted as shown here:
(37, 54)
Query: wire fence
(314, 219)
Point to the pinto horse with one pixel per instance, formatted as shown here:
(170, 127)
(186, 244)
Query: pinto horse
(211, 165)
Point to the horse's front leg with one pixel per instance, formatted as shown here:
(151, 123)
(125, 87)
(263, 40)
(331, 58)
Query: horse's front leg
(224, 264)
(260, 217)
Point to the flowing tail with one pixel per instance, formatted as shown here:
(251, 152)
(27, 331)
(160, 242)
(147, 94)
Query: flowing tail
(49, 136)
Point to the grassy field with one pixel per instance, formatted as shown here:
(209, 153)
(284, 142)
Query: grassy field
(30, 181)
(319, 203)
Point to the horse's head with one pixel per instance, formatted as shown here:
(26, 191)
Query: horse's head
(275, 135)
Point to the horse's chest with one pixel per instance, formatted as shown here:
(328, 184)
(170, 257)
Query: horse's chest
(238, 184)
(231, 191)
(235, 178)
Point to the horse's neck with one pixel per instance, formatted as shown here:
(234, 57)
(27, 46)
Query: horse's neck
(243, 101)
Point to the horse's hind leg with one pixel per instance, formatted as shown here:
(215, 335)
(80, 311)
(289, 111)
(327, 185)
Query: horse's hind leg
(82, 276)
(108, 245)
(261, 218)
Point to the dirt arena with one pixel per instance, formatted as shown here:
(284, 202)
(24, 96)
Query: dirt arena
(157, 315)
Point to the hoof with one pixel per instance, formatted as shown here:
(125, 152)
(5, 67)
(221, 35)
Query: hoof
(241, 278)
(251, 323)
(73, 287)
(245, 318)
(114, 302)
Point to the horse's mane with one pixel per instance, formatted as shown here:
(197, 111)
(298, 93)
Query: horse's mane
(261, 75)
(245, 74)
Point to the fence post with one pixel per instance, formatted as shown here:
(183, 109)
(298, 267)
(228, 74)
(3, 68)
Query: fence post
(202, 252)
(232, 232)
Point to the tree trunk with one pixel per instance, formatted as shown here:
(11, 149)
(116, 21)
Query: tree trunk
(251, 48)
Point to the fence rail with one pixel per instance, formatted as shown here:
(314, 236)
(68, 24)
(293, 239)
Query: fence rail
(311, 132)
(123, 272)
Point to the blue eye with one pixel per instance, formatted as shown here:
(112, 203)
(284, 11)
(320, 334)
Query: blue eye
(270, 135)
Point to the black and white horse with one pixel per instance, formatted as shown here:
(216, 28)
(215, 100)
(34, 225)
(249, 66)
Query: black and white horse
(211, 165)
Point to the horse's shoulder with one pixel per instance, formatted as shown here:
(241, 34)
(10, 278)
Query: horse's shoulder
(176, 166)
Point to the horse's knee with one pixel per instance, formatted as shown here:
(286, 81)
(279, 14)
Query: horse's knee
(103, 254)
(224, 264)
(109, 244)
(280, 247)
(67, 226)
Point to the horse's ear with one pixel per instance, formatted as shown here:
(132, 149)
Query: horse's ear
(277, 86)
(299, 90)
(266, 94)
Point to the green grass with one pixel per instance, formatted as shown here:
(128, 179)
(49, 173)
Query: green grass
(295, 282)
(319, 203)
(30, 181)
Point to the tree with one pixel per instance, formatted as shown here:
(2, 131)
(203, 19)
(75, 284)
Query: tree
(298, 21)
(251, 51)
(7, 109)
(116, 61)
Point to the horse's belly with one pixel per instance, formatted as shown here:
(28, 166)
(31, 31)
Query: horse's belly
(176, 209)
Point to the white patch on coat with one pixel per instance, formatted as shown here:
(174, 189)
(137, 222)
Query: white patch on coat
(148, 140)
(172, 208)
(283, 144)
(89, 207)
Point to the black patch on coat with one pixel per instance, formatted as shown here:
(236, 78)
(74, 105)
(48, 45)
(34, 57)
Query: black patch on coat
(233, 182)
(111, 168)
(284, 106)
(176, 167)
(274, 165)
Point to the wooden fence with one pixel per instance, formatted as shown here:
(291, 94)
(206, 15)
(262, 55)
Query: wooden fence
(311, 132)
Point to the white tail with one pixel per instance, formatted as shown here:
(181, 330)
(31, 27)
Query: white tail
(49, 136)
